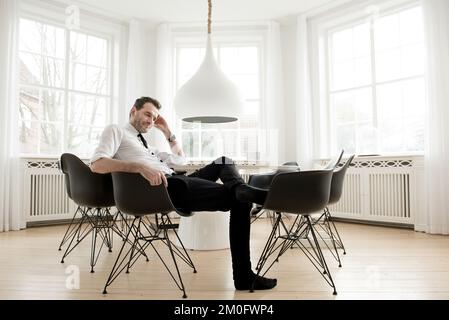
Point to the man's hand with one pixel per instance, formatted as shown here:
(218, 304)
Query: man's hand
(155, 177)
(162, 125)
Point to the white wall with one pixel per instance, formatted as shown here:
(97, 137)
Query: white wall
(155, 137)
(147, 78)
(150, 61)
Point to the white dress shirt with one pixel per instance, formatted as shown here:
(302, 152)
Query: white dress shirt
(122, 143)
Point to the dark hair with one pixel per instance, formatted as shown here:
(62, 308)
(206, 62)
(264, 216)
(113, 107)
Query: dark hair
(141, 101)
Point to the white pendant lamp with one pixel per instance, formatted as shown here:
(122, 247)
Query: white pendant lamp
(209, 96)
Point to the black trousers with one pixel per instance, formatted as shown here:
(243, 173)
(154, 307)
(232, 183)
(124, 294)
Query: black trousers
(200, 191)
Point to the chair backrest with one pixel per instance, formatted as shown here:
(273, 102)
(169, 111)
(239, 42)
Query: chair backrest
(66, 177)
(84, 187)
(291, 163)
(263, 181)
(288, 167)
(334, 162)
(338, 178)
(134, 195)
(300, 192)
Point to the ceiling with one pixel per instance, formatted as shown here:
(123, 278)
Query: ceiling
(196, 10)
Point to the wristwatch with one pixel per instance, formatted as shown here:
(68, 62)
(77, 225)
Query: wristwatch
(172, 138)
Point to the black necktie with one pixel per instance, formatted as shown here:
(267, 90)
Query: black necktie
(143, 140)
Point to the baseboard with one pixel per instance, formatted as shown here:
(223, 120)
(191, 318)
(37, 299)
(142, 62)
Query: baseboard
(375, 223)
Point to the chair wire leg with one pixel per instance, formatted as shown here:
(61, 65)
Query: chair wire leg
(323, 224)
(118, 265)
(78, 234)
(328, 276)
(69, 247)
(335, 232)
(327, 223)
(268, 249)
(109, 222)
(258, 212)
(184, 255)
(164, 238)
(134, 252)
(92, 250)
(120, 230)
(97, 221)
(315, 258)
(137, 249)
(181, 284)
(133, 246)
(71, 229)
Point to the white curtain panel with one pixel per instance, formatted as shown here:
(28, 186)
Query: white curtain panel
(303, 96)
(138, 74)
(11, 216)
(274, 151)
(164, 94)
(135, 65)
(436, 19)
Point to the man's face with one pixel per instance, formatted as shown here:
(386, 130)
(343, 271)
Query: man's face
(144, 118)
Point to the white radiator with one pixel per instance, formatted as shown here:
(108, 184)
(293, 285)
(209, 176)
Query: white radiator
(44, 192)
(380, 189)
(390, 195)
(351, 198)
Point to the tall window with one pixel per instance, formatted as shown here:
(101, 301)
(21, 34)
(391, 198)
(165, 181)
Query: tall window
(239, 139)
(376, 84)
(65, 94)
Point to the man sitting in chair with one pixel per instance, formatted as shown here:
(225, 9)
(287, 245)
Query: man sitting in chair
(124, 149)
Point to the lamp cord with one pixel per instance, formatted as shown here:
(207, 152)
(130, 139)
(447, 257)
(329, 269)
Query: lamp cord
(209, 17)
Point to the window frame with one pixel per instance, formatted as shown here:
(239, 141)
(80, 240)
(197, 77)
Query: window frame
(91, 25)
(325, 141)
(223, 37)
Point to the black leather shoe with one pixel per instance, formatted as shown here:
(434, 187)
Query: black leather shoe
(256, 283)
(246, 193)
(183, 212)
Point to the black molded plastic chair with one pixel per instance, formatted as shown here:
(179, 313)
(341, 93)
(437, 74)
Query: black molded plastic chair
(301, 193)
(92, 192)
(325, 220)
(135, 196)
(263, 181)
(322, 220)
(73, 229)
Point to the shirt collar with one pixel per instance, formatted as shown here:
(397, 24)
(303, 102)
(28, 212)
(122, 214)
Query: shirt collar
(128, 126)
(131, 128)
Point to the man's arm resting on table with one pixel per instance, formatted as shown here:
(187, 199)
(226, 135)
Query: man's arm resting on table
(107, 165)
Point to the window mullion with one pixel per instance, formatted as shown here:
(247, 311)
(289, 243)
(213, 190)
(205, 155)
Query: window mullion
(41, 100)
(332, 127)
(66, 90)
(373, 81)
(39, 121)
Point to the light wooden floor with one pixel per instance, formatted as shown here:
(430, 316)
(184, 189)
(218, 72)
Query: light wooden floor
(381, 263)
